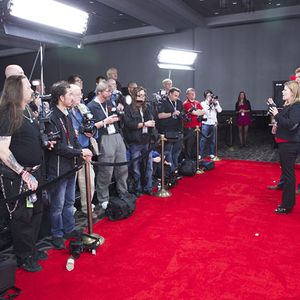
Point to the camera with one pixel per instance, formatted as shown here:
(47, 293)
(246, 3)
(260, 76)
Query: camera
(116, 111)
(214, 97)
(182, 116)
(87, 124)
(76, 247)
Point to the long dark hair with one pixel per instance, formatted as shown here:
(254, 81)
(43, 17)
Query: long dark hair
(10, 102)
(245, 100)
(135, 105)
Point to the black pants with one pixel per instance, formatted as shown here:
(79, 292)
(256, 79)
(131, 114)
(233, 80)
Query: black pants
(25, 222)
(288, 153)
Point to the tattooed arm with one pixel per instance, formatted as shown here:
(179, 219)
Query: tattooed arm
(10, 161)
(7, 157)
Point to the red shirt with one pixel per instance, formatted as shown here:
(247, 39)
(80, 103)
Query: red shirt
(187, 105)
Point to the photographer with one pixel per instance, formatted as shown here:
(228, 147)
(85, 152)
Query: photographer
(211, 107)
(288, 138)
(21, 156)
(138, 127)
(85, 129)
(194, 112)
(67, 153)
(170, 115)
(111, 145)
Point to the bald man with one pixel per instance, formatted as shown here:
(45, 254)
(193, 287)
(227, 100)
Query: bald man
(11, 70)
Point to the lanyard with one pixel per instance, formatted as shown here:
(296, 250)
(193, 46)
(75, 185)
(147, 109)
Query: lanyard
(174, 105)
(142, 115)
(105, 111)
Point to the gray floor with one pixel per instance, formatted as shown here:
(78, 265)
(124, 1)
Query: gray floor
(260, 146)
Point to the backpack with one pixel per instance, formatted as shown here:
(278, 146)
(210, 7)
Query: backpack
(187, 167)
(8, 268)
(119, 208)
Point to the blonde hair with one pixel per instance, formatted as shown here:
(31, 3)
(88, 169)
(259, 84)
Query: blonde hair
(295, 89)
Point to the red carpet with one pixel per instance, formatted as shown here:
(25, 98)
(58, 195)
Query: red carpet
(217, 237)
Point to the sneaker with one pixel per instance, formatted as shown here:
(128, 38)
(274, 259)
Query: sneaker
(212, 156)
(29, 264)
(40, 255)
(58, 243)
(83, 215)
(104, 204)
(73, 234)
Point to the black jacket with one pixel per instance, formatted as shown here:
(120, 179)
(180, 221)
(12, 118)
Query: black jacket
(67, 151)
(133, 134)
(288, 123)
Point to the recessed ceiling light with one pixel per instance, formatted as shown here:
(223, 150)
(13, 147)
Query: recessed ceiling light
(234, 3)
(91, 2)
(216, 13)
(277, 4)
(120, 15)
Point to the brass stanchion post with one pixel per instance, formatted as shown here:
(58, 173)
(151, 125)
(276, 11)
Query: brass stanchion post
(163, 193)
(216, 158)
(91, 240)
(199, 171)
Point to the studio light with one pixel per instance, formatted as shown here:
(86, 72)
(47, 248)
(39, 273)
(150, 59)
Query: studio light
(176, 59)
(50, 13)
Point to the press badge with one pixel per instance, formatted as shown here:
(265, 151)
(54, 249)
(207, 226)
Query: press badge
(145, 130)
(111, 129)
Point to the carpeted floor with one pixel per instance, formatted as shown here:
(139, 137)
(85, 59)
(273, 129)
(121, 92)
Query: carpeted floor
(217, 237)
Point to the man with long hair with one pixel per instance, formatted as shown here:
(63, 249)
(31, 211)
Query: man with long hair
(21, 156)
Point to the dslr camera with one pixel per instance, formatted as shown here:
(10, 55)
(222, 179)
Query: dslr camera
(116, 111)
(87, 124)
(76, 247)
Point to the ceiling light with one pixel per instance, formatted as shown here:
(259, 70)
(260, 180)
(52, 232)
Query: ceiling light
(216, 13)
(234, 3)
(278, 4)
(50, 13)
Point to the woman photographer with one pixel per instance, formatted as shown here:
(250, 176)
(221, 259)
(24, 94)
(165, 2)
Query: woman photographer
(288, 138)
(138, 125)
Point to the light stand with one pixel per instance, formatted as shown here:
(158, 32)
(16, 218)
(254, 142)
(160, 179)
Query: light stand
(163, 193)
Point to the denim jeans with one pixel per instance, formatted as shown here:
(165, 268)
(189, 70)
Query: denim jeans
(172, 152)
(135, 151)
(61, 208)
(208, 130)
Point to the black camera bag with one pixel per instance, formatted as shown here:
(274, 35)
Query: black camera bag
(187, 167)
(8, 267)
(119, 208)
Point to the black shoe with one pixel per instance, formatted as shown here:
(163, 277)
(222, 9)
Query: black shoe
(29, 264)
(274, 187)
(281, 210)
(83, 215)
(40, 255)
(58, 243)
(150, 193)
(73, 234)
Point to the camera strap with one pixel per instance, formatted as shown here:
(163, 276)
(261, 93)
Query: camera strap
(173, 104)
(110, 128)
(66, 129)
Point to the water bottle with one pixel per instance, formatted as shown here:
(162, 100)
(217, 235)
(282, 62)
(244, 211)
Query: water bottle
(70, 263)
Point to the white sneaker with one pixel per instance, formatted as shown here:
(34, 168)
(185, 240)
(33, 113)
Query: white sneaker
(104, 204)
(212, 156)
(199, 157)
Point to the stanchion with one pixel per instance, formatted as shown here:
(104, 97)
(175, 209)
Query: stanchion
(199, 171)
(216, 158)
(90, 240)
(163, 193)
(231, 148)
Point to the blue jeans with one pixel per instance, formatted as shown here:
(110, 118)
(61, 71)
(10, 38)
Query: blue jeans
(135, 151)
(172, 152)
(61, 208)
(206, 131)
